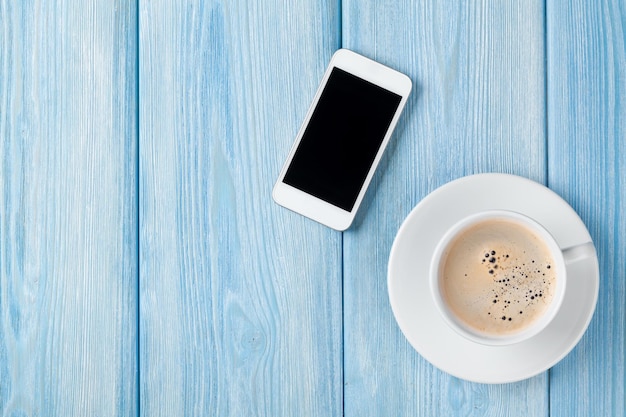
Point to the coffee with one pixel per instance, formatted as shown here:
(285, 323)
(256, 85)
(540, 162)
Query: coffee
(498, 277)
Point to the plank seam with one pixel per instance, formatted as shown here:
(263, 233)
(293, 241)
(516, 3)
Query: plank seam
(546, 51)
(137, 207)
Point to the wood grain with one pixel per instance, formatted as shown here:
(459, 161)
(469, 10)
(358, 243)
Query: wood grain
(587, 155)
(243, 309)
(240, 300)
(477, 106)
(68, 258)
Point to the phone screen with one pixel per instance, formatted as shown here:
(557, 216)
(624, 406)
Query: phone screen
(342, 138)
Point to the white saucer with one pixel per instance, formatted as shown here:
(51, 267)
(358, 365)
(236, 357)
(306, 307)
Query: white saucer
(409, 291)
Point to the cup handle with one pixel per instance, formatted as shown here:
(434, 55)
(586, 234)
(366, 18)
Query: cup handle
(577, 253)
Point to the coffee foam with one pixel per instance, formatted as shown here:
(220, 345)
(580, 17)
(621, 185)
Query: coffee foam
(498, 277)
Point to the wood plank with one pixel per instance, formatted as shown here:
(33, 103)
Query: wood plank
(587, 148)
(68, 258)
(477, 106)
(240, 299)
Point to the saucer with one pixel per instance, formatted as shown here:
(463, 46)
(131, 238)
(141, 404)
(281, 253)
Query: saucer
(415, 311)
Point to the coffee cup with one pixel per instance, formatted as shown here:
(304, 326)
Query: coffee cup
(498, 277)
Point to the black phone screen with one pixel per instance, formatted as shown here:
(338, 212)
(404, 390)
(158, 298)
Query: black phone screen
(341, 141)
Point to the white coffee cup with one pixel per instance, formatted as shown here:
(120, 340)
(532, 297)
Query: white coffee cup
(480, 320)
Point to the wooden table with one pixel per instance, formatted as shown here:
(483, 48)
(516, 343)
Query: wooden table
(145, 269)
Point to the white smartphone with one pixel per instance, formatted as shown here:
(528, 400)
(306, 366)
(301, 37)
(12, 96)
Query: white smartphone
(342, 139)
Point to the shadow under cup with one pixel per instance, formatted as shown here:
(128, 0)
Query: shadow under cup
(498, 277)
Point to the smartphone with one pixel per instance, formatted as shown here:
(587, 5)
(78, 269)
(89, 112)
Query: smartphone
(342, 139)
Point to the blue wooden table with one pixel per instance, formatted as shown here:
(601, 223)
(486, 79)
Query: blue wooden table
(145, 270)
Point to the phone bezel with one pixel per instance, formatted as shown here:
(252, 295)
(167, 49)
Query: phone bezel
(316, 208)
